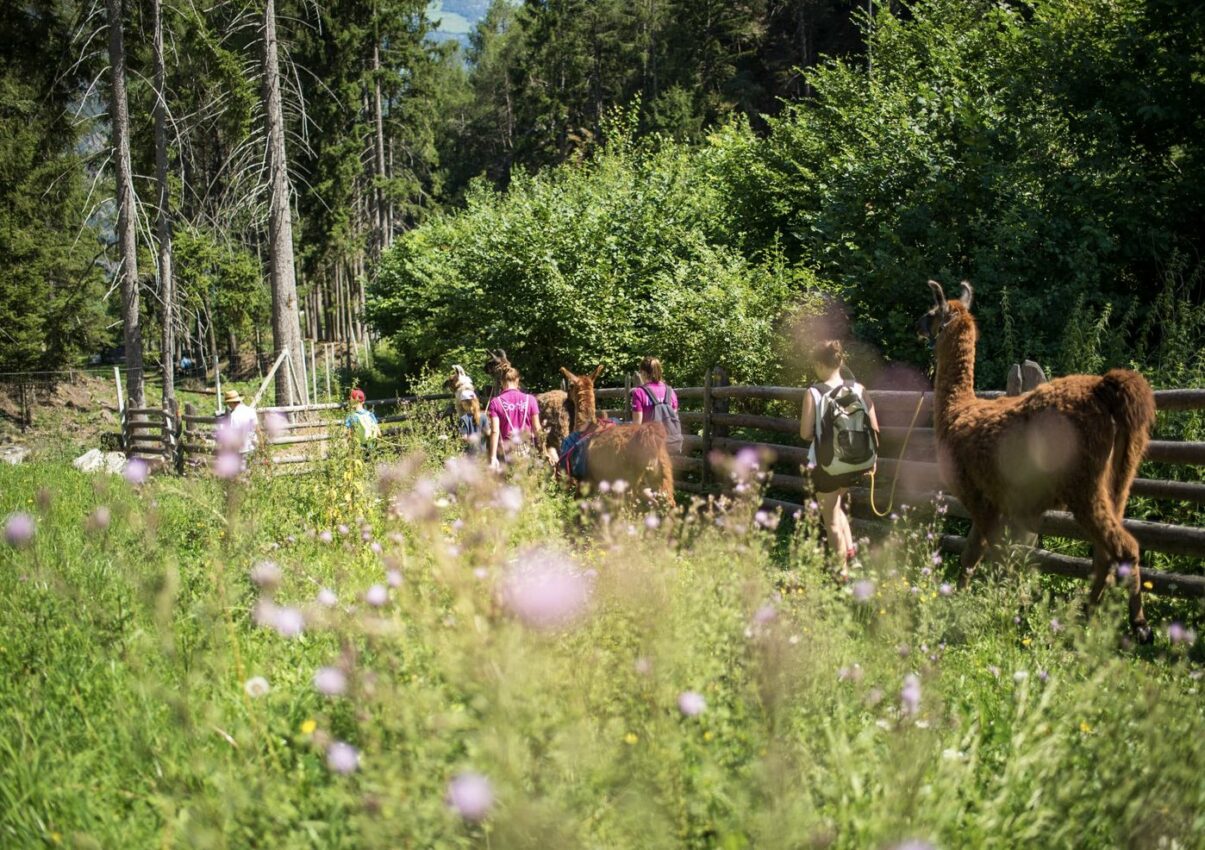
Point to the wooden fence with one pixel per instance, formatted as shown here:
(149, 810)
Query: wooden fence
(707, 411)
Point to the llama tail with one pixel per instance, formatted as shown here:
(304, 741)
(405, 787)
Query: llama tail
(1131, 402)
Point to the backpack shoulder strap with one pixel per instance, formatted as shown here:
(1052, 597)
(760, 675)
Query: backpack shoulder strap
(648, 395)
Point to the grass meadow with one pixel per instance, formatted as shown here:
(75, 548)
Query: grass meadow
(418, 654)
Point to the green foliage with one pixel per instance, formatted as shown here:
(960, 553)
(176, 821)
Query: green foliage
(127, 652)
(598, 263)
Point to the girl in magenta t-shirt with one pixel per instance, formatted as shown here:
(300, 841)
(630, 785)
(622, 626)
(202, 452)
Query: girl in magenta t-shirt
(642, 405)
(514, 417)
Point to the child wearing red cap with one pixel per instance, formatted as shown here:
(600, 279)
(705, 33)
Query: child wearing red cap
(361, 422)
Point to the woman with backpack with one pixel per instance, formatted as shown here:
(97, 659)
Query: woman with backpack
(514, 419)
(655, 401)
(841, 432)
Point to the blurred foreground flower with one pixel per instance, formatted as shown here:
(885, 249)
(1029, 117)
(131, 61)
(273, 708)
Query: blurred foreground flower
(863, 590)
(19, 530)
(376, 595)
(136, 470)
(342, 757)
(330, 681)
(286, 622)
(910, 695)
(544, 590)
(266, 575)
(228, 465)
(99, 519)
(691, 703)
(326, 598)
(470, 796)
(256, 686)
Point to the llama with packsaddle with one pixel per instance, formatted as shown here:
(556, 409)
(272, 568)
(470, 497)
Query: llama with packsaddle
(1074, 442)
(600, 450)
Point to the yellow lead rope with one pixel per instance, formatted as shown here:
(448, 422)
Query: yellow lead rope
(896, 480)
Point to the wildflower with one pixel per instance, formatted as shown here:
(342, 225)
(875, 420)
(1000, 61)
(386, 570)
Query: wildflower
(766, 520)
(910, 695)
(393, 578)
(136, 471)
(1085, 727)
(853, 673)
(619, 487)
(652, 521)
(288, 622)
(227, 465)
(926, 572)
(631, 738)
(1055, 625)
(330, 681)
(904, 650)
(266, 575)
(1043, 675)
(544, 590)
(946, 589)
(994, 670)
(375, 547)
(604, 486)
(862, 590)
(342, 758)
(275, 425)
(1176, 634)
(813, 506)
(308, 726)
(326, 537)
(99, 520)
(765, 614)
(376, 595)
(326, 598)
(19, 530)
(481, 573)
(470, 796)
(343, 529)
(1123, 570)
(510, 499)
(937, 559)
(1020, 676)
(691, 703)
(256, 686)
(643, 665)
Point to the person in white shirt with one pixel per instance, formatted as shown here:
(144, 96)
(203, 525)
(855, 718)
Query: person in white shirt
(238, 430)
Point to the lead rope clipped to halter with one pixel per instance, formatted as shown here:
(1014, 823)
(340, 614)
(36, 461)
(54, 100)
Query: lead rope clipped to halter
(891, 497)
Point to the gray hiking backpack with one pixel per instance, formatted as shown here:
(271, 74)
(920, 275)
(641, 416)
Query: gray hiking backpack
(663, 412)
(845, 442)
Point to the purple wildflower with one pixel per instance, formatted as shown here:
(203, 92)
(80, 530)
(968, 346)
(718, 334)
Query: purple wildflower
(136, 471)
(1055, 625)
(765, 614)
(342, 758)
(393, 578)
(1123, 570)
(19, 530)
(652, 522)
(470, 796)
(326, 537)
(1177, 633)
(288, 622)
(544, 590)
(326, 598)
(946, 589)
(691, 703)
(376, 596)
(330, 681)
(266, 575)
(227, 465)
(937, 559)
(910, 695)
(863, 590)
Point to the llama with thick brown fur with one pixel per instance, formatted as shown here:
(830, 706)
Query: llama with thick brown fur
(1074, 442)
(554, 414)
(636, 454)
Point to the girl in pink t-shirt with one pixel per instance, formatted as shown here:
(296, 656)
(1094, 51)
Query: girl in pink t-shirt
(514, 417)
(651, 376)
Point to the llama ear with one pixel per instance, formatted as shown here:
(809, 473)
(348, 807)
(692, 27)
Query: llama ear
(967, 294)
(569, 376)
(939, 297)
(597, 371)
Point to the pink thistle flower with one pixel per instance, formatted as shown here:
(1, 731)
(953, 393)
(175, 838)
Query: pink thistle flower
(470, 796)
(652, 522)
(910, 695)
(937, 559)
(765, 615)
(136, 471)
(99, 519)
(330, 681)
(375, 548)
(266, 575)
(342, 757)
(691, 703)
(1177, 634)
(343, 529)
(275, 425)
(393, 578)
(946, 589)
(19, 530)
(227, 465)
(620, 486)
(288, 622)
(326, 537)
(1123, 570)
(863, 590)
(376, 595)
(545, 591)
(326, 598)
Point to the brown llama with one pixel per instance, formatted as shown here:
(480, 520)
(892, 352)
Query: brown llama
(1074, 442)
(554, 414)
(636, 454)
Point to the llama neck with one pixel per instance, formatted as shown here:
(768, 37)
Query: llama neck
(585, 408)
(955, 368)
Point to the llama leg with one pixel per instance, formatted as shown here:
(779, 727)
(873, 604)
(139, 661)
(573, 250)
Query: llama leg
(1115, 545)
(667, 477)
(983, 532)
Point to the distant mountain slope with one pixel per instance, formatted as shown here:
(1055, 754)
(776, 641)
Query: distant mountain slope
(455, 19)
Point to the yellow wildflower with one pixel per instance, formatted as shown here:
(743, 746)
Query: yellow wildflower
(631, 738)
(308, 726)
(708, 735)
(1147, 585)
(1085, 727)
(1026, 641)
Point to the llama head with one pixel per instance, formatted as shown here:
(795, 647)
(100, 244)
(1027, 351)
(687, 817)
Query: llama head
(581, 391)
(495, 362)
(931, 323)
(459, 380)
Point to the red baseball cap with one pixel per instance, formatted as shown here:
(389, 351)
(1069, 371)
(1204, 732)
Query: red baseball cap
(357, 395)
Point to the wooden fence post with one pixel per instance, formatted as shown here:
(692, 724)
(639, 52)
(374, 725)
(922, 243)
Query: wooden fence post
(705, 477)
(720, 405)
(625, 406)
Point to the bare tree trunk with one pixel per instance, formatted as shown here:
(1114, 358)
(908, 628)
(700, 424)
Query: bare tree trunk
(286, 328)
(384, 225)
(126, 238)
(164, 225)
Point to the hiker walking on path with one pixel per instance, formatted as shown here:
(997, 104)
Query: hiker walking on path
(514, 419)
(237, 429)
(841, 431)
